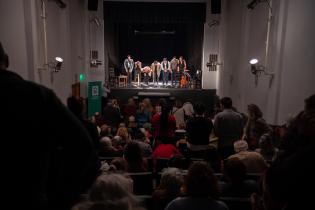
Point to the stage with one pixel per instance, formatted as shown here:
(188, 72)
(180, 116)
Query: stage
(154, 92)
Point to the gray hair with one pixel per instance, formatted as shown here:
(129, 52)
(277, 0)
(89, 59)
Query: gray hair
(172, 180)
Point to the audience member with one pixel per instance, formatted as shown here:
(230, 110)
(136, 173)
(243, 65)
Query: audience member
(119, 164)
(54, 159)
(198, 130)
(142, 115)
(124, 134)
(254, 162)
(255, 127)
(130, 109)
(178, 112)
(165, 150)
(141, 139)
(201, 190)
(188, 109)
(267, 148)
(134, 157)
(170, 188)
(111, 116)
(228, 127)
(236, 184)
(164, 124)
(107, 150)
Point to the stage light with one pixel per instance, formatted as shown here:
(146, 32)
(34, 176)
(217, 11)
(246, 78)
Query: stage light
(253, 61)
(58, 64)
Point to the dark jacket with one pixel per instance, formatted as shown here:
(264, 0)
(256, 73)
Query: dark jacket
(198, 130)
(48, 157)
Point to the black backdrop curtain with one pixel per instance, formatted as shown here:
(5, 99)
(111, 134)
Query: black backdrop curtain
(136, 29)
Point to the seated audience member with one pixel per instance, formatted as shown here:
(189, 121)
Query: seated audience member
(201, 190)
(142, 115)
(165, 150)
(107, 150)
(54, 159)
(110, 191)
(170, 188)
(106, 131)
(254, 162)
(124, 134)
(236, 184)
(267, 149)
(118, 144)
(148, 131)
(119, 165)
(255, 127)
(76, 107)
(130, 109)
(134, 157)
(228, 127)
(164, 124)
(141, 139)
(198, 130)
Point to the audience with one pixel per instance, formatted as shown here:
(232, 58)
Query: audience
(123, 133)
(130, 109)
(201, 190)
(111, 116)
(170, 188)
(107, 150)
(141, 139)
(178, 112)
(50, 158)
(267, 148)
(236, 184)
(255, 127)
(165, 150)
(198, 130)
(228, 127)
(143, 115)
(254, 162)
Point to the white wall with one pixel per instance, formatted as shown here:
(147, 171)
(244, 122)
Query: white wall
(291, 55)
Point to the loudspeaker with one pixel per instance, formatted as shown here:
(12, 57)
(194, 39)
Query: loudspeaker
(92, 5)
(215, 6)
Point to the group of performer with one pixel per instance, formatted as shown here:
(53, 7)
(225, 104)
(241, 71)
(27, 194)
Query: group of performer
(176, 69)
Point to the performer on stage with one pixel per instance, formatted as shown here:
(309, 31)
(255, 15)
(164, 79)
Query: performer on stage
(156, 70)
(166, 68)
(129, 65)
(138, 66)
(181, 67)
(147, 73)
(174, 70)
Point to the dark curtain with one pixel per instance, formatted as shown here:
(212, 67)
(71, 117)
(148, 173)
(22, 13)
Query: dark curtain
(125, 19)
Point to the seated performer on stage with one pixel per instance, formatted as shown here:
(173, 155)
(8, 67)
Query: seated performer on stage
(166, 68)
(147, 73)
(156, 70)
(129, 65)
(174, 70)
(181, 67)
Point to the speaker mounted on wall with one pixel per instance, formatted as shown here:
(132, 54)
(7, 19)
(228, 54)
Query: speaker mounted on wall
(215, 6)
(92, 5)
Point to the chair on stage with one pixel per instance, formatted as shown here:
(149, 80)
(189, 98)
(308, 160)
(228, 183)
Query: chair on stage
(122, 81)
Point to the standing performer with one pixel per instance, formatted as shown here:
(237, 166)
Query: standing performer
(138, 66)
(129, 65)
(181, 67)
(174, 69)
(156, 70)
(166, 68)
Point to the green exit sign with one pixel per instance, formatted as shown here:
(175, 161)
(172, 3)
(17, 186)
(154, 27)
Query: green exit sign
(82, 77)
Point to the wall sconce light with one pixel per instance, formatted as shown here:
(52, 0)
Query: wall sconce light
(58, 64)
(258, 69)
(54, 66)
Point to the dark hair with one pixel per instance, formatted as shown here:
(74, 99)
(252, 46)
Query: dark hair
(234, 170)
(75, 106)
(165, 110)
(199, 108)
(201, 181)
(226, 102)
(254, 109)
(134, 156)
(310, 103)
(178, 104)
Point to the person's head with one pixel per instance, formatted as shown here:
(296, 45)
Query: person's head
(178, 104)
(226, 103)
(4, 59)
(110, 187)
(310, 103)
(172, 180)
(133, 152)
(199, 108)
(174, 57)
(234, 170)
(123, 133)
(117, 141)
(75, 106)
(129, 56)
(106, 142)
(254, 111)
(201, 181)
(181, 58)
(266, 145)
(164, 59)
(131, 102)
(105, 130)
(114, 102)
(162, 102)
(120, 164)
(146, 103)
(240, 146)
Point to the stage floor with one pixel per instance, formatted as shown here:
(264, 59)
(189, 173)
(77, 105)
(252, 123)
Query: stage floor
(155, 86)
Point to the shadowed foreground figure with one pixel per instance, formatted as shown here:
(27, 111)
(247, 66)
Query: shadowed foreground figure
(47, 156)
